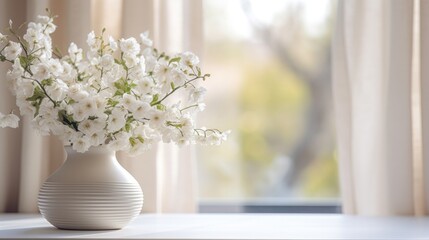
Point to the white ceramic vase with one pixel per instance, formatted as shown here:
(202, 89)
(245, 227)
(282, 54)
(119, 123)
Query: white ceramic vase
(90, 191)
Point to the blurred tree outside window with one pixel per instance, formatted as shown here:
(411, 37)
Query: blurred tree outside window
(270, 63)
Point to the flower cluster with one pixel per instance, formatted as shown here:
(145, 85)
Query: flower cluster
(123, 94)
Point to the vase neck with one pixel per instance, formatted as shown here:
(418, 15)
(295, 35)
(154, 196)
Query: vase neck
(92, 154)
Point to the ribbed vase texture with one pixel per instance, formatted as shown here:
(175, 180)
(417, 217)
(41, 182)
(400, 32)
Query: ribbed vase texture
(90, 191)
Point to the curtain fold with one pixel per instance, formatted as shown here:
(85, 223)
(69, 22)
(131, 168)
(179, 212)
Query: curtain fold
(166, 173)
(373, 77)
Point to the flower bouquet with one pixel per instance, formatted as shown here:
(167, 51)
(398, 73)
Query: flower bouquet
(123, 94)
(117, 95)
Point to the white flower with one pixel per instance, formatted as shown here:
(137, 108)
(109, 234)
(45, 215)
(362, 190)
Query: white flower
(130, 60)
(91, 41)
(57, 91)
(12, 51)
(162, 71)
(97, 138)
(129, 102)
(100, 122)
(139, 148)
(169, 134)
(49, 25)
(129, 46)
(214, 138)
(142, 110)
(67, 134)
(77, 93)
(25, 107)
(87, 127)
(47, 110)
(112, 43)
(116, 121)
(178, 77)
(89, 105)
(55, 67)
(68, 74)
(33, 36)
(78, 112)
(41, 71)
(142, 62)
(93, 129)
(17, 70)
(150, 62)
(101, 103)
(201, 106)
(86, 106)
(187, 125)
(107, 61)
(25, 88)
(46, 49)
(75, 53)
(189, 59)
(203, 140)
(84, 66)
(93, 57)
(197, 94)
(120, 141)
(44, 19)
(10, 120)
(81, 144)
(157, 119)
(47, 125)
(145, 85)
(145, 39)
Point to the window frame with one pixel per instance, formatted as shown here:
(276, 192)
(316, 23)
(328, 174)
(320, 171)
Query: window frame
(271, 206)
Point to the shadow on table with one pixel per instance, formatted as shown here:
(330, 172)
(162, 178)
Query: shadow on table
(46, 232)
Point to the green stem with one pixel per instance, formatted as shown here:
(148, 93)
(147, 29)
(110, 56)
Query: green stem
(183, 109)
(43, 89)
(174, 90)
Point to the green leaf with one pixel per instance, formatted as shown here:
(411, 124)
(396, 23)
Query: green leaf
(132, 141)
(112, 102)
(198, 70)
(127, 127)
(38, 94)
(172, 85)
(176, 59)
(36, 105)
(47, 82)
(118, 93)
(140, 138)
(67, 119)
(160, 107)
(118, 85)
(154, 99)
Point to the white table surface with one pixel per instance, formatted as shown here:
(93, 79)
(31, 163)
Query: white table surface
(229, 226)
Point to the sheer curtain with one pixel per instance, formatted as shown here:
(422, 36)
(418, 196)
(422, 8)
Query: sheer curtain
(381, 51)
(166, 173)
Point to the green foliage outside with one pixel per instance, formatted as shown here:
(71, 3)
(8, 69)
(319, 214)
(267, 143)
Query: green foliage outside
(270, 108)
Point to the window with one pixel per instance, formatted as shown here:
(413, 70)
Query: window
(270, 84)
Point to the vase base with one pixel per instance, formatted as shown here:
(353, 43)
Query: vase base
(95, 206)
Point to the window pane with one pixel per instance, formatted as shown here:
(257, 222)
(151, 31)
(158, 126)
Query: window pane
(271, 85)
